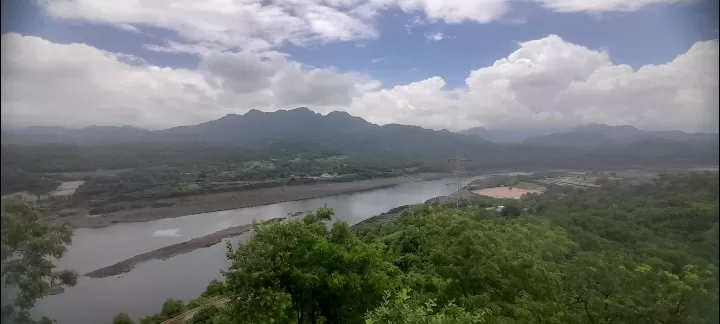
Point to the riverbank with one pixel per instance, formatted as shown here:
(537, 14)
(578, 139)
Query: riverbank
(172, 250)
(190, 205)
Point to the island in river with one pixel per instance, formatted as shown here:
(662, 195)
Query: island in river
(183, 206)
(172, 250)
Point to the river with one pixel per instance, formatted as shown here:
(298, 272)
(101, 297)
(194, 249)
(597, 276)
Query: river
(143, 290)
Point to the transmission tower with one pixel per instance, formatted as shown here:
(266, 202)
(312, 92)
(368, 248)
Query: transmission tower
(458, 173)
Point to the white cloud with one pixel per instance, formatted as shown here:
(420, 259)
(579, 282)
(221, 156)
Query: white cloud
(597, 6)
(216, 25)
(78, 85)
(416, 21)
(243, 24)
(457, 11)
(418, 103)
(376, 60)
(552, 83)
(544, 83)
(129, 28)
(434, 36)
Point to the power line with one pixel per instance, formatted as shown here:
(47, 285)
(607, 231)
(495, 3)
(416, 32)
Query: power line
(458, 172)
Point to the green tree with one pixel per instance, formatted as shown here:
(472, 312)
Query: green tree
(606, 287)
(206, 315)
(512, 209)
(122, 318)
(301, 271)
(172, 307)
(29, 244)
(400, 308)
(214, 288)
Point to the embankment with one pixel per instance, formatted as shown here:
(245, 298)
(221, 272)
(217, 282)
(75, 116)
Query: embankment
(239, 199)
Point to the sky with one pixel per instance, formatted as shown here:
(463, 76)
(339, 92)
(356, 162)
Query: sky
(440, 64)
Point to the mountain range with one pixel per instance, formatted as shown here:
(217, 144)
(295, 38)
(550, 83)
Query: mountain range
(302, 129)
(508, 135)
(595, 136)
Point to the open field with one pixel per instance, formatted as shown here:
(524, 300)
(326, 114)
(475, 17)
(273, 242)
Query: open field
(505, 192)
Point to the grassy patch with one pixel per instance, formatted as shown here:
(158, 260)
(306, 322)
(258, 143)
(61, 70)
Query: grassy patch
(528, 186)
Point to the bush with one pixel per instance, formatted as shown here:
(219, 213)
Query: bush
(511, 210)
(206, 315)
(122, 318)
(172, 308)
(215, 288)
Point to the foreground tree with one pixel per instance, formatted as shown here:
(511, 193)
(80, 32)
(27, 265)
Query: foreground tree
(402, 309)
(28, 246)
(299, 271)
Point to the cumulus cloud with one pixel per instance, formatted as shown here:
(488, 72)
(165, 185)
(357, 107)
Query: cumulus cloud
(78, 85)
(547, 82)
(44, 83)
(552, 83)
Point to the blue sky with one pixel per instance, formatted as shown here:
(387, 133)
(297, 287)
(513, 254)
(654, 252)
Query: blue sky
(398, 55)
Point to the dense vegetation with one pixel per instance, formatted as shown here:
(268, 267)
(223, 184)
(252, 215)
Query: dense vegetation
(620, 254)
(130, 176)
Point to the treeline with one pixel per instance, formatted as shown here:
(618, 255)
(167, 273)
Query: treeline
(151, 171)
(388, 147)
(619, 254)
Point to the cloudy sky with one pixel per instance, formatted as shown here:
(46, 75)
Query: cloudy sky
(450, 64)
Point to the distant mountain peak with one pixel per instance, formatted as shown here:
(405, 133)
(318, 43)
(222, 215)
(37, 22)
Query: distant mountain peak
(339, 113)
(252, 112)
(300, 110)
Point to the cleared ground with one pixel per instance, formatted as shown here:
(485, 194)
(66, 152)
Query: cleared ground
(505, 192)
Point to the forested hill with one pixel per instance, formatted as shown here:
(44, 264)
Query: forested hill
(596, 136)
(300, 130)
(621, 254)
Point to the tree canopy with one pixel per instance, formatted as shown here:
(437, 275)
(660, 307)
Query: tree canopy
(29, 245)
